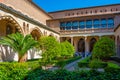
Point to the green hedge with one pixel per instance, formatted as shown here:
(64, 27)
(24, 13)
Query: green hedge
(95, 63)
(63, 62)
(16, 71)
(83, 64)
(117, 59)
(68, 75)
(11, 71)
(20, 71)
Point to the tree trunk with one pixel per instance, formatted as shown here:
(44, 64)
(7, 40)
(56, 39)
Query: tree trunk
(22, 58)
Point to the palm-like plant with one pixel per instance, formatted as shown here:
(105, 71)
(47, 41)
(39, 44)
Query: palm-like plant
(19, 43)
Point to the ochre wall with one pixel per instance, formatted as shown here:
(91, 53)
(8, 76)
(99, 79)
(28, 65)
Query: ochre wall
(26, 7)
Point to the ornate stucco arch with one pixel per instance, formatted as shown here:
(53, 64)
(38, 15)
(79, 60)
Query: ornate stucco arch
(9, 20)
(36, 33)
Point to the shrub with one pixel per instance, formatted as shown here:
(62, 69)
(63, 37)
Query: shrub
(63, 62)
(117, 59)
(113, 65)
(13, 71)
(63, 50)
(112, 69)
(83, 64)
(94, 64)
(16, 71)
(104, 48)
(70, 48)
(87, 59)
(50, 49)
(67, 50)
(33, 65)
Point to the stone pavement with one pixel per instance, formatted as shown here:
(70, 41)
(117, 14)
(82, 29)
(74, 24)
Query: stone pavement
(72, 66)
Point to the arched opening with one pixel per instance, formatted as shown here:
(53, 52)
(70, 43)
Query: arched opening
(92, 43)
(69, 40)
(36, 34)
(8, 26)
(81, 45)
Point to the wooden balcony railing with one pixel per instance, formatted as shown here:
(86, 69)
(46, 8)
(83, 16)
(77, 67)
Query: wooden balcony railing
(100, 30)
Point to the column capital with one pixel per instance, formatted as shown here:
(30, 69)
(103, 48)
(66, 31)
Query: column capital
(85, 37)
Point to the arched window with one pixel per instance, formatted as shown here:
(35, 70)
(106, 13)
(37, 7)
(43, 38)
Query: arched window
(92, 43)
(81, 45)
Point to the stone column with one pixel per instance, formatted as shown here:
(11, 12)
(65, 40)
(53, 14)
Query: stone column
(75, 43)
(86, 46)
(72, 40)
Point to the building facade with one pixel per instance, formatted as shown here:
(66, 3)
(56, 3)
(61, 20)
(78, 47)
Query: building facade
(27, 18)
(81, 27)
(85, 26)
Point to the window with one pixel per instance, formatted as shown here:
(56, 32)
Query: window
(9, 29)
(95, 11)
(75, 25)
(62, 26)
(82, 24)
(89, 24)
(103, 23)
(100, 10)
(81, 12)
(110, 22)
(68, 26)
(90, 11)
(96, 23)
(68, 14)
(77, 13)
(111, 10)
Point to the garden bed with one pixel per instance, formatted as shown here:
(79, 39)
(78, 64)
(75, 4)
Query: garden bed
(87, 63)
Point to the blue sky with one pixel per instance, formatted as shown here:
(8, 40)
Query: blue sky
(56, 5)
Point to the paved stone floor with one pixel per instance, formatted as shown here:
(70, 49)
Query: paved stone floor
(72, 66)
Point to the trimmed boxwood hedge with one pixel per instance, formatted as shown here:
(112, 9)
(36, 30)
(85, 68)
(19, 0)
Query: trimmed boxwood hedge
(75, 75)
(18, 71)
(63, 62)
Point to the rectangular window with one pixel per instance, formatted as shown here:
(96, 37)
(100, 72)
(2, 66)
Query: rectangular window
(82, 24)
(89, 24)
(110, 22)
(103, 23)
(62, 25)
(75, 25)
(96, 23)
(68, 26)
